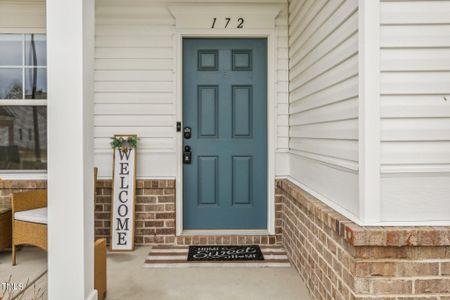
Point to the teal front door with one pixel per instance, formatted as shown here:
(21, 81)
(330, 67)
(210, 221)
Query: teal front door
(224, 133)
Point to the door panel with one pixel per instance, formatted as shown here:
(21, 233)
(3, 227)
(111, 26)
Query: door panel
(207, 111)
(242, 180)
(242, 111)
(225, 105)
(207, 180)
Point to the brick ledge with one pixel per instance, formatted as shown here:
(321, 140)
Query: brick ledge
(356, 235)
(23, 184)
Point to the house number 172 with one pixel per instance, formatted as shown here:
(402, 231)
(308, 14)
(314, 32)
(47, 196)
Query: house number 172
(240, 22)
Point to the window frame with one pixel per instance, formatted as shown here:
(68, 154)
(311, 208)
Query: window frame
(23, 174)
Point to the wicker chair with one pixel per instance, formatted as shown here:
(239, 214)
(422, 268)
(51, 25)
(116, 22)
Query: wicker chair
(35, 233)
(100, 283)
(100, 268)
(31, 232)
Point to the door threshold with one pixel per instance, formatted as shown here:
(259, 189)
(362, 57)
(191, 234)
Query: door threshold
(225, 232)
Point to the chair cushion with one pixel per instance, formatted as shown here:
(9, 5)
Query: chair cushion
(38, 215)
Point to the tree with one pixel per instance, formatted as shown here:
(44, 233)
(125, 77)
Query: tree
(14, 92)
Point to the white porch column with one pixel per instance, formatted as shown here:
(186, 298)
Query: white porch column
(70, 34)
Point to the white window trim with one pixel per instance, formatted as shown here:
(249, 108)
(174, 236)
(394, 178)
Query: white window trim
(22, 67)
(23, 175)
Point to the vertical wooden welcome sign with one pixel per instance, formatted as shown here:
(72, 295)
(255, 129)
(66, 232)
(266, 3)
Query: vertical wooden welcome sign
(124, 192)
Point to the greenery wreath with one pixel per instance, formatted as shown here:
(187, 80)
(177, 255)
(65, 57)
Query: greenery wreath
(123, 143)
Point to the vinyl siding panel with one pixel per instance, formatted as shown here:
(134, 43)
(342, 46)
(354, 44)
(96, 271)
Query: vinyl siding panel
(135, 88)
(323, 100)
(415, 75)
(415, 110)
(22, 16)
(134, 83)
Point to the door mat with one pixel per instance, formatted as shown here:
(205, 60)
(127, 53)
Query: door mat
(166, 256)
(224, 253)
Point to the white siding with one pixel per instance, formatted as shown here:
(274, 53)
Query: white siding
(415, 108)
(134, 84)
(323, 97)
(21, 16)
(135, 72)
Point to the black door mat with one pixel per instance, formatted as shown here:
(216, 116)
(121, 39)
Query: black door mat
(224, 253)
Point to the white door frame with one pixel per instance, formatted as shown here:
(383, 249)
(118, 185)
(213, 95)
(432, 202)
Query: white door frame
(271, 58)
(188, 27)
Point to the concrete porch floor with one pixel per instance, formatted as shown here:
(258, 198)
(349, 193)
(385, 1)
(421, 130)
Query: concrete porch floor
(127, 279)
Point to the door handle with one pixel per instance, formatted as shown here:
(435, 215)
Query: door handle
(187, 155)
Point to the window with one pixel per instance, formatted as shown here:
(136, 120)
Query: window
(23, 100)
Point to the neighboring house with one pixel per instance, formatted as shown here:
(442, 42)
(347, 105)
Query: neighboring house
(23, 149)
(315, 124)
(7, 126)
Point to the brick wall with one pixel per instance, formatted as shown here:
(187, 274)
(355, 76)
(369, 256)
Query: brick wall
(338, 259)
(155, 211)
(7, 187)
(155, 217)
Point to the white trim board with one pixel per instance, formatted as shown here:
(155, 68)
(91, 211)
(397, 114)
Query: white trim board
(324, 199)
(184, 29)
(369, 111)
(414, 169)
(25, 175)
(200, 15)
(353, 217)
